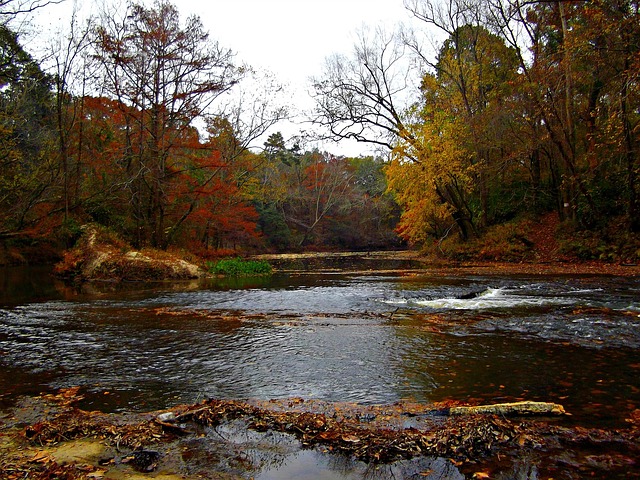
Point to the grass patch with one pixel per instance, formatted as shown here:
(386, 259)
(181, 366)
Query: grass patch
(238, 267)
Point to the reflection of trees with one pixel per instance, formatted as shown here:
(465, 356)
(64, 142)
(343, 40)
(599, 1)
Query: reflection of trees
(233, 448)
(433, 468)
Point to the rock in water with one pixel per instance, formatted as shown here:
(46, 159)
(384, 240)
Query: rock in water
(145, 460)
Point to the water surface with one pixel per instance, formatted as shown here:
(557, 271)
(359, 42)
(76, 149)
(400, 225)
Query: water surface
(337, 337)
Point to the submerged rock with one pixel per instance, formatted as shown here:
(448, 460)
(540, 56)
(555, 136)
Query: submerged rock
(144, 460)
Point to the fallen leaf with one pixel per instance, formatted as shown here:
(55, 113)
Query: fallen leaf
(480, 475)
(41, 457)
(350, 438)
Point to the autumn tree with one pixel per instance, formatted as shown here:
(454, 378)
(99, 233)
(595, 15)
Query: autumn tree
(579, 64)
(316, 198)
(310, 185)
(165, 75)
(28, 175)
(435, 190)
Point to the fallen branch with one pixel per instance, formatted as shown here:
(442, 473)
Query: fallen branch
(511, 409)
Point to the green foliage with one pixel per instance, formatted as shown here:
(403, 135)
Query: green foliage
(69, 232)
(239, 267)
(273, 225)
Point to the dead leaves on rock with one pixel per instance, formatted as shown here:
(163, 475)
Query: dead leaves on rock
(373, 434)
(463, 439)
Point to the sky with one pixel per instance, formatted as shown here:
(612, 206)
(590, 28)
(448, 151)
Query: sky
(289, 38)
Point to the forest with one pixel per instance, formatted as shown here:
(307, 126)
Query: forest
(491, 114)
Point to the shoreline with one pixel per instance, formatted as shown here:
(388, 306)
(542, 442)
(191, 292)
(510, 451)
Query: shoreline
(439, 266)
(49, 437)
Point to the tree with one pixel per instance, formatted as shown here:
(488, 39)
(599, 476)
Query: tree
(437, 188)
(9, 9)
(364, 97)
(316, 198)
(372, 215)
(70, 64)
(459, 133)
(27, 173)
(164, 75)
(579, 64)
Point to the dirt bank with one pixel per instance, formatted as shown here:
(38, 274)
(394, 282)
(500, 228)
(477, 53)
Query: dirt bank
(101, 255)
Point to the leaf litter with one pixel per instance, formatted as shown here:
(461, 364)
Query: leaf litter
(373, 434)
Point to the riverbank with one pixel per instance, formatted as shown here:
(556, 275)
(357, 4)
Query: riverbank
(48, 437)
(413, 261)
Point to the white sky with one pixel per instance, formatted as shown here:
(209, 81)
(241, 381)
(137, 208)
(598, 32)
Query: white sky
(290, 38)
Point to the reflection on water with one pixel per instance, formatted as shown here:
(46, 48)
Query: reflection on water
(369, 339)
(233, 449)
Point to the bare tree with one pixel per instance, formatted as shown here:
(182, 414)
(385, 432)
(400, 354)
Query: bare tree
(69, 59)
(9, 9)
(258, 104)
(365, 97)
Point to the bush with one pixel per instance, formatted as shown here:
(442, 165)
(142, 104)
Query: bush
(507, 242)
(613, 244)
(239, 267)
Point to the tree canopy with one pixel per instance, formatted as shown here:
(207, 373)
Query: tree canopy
(526, 107)
(522, 108)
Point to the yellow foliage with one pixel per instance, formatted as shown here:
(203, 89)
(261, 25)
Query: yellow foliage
(440, 160)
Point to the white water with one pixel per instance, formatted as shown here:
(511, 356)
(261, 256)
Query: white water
(492, 298)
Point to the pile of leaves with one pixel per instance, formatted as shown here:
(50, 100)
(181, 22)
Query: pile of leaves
(461, 439)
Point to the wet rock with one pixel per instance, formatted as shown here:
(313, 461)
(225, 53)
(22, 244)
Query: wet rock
(469, 296)
(144, 460)
(168, 417)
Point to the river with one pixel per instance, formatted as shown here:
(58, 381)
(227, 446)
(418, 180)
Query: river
(374, 338)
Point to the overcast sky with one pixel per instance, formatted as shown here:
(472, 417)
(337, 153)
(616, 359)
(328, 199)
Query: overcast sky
(290, 38)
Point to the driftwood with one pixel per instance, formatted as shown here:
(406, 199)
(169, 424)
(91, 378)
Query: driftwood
(512, 409)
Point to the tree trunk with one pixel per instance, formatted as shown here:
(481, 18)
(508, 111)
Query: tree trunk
(631, 157)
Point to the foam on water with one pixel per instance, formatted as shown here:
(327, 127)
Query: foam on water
(490, 298)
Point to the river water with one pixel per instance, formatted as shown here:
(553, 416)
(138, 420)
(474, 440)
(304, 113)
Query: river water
(354, 337)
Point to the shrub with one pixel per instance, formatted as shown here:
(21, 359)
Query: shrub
(507, 242)
(613, 244)
(239, 267)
